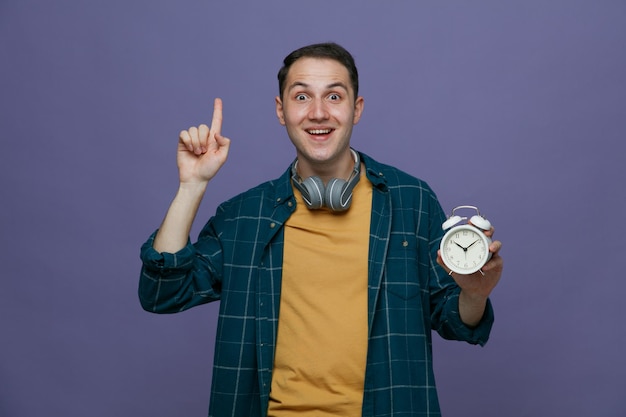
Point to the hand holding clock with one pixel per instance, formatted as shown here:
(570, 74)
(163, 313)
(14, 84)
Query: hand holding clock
(476, 275)
(476, 288)
(480, 283)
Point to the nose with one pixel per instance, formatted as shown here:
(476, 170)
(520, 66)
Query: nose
(318, 110)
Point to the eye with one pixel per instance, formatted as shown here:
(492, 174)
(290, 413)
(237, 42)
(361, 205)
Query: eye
(334, 97)
(300, 97)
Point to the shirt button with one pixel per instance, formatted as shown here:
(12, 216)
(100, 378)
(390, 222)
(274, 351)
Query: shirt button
(290, 204)
(272, 225)
(278, 200)
(405, 243)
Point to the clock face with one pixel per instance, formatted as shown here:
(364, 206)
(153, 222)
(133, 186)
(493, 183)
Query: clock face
(465, 249)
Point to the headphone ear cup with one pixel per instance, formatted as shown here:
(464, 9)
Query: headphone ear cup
(480, 222)
(336, 195)
(314, 192)
(333, 195)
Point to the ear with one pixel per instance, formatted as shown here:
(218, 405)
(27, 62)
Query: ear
(358, 109)
(279, 111)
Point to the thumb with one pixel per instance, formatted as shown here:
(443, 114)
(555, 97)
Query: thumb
(222, 141)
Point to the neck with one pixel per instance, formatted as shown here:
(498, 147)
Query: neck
(329, 169)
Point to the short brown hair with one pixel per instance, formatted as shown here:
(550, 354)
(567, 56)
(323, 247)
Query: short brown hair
(328, 50)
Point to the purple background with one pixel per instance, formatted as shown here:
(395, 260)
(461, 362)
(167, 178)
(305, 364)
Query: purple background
(517, 107)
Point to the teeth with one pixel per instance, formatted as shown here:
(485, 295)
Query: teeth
(319, 131)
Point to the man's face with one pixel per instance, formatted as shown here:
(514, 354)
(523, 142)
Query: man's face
(318, 109)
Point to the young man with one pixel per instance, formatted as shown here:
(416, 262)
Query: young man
(329, 277)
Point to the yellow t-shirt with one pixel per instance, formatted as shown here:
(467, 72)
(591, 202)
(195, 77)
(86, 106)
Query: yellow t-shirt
(319, 365)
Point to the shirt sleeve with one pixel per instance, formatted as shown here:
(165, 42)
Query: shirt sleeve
(173, 282)
(452, 327)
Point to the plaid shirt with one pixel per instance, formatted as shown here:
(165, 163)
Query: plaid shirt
(238, 260)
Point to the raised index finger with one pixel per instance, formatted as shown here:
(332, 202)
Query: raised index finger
(216, 123)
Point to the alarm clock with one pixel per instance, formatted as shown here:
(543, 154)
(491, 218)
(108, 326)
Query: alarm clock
(465, 247)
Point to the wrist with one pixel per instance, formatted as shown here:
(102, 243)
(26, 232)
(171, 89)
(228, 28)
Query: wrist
(192, 188)
(473, 298)
(471, 308)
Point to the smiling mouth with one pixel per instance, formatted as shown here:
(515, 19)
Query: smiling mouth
(319, 131)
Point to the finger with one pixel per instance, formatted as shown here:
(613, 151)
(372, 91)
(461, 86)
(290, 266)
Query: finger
(216, 123)
(203, 137)
(185, 139)
(495, 246)
(495, 264)
(222, 141)
(195, 140)
(441, 263)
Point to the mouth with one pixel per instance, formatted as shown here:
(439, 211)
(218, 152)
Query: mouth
(319, 132)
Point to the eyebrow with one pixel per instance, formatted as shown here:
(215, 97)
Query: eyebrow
(329, 86)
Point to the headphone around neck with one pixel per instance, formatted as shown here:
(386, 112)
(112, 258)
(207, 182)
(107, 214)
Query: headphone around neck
(336, 195)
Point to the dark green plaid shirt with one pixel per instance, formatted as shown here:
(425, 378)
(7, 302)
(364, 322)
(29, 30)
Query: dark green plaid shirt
(238, 260)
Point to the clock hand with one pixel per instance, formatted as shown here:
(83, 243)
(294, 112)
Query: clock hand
(464, 249)
(472, 244)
